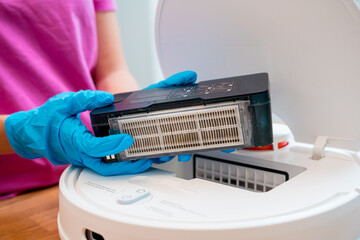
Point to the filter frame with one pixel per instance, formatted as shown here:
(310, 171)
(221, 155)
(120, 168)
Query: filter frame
(157, 140)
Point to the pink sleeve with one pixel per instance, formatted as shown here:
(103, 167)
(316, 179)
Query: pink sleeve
(104, 5)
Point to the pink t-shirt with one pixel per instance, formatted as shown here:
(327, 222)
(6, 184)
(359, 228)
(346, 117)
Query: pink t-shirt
(46, 47)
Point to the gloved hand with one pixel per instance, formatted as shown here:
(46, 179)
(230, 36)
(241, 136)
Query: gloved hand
(179, 79)
(55, 131)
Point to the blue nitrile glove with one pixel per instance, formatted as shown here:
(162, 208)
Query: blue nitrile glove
(55, 131)
(179, 79)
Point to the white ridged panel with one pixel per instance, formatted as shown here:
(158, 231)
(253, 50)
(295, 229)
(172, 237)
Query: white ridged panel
(183, 131)
(237, 176)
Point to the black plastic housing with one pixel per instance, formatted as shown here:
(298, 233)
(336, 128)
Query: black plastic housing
(253, 88)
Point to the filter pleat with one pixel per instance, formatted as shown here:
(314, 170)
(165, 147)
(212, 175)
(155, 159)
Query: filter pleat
(183, 131)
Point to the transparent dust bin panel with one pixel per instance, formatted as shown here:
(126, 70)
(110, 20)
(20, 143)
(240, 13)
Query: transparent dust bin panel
(185, 130)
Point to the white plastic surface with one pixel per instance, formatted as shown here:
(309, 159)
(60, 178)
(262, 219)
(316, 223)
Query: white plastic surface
(311, 50)
(322, 202)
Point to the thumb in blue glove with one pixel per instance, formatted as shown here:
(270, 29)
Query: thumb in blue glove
(178, 79)
(55, 131)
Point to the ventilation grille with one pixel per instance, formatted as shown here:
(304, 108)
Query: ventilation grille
(238, 176)
(183, 131)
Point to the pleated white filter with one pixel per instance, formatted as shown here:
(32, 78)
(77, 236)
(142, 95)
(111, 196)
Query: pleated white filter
(196, 129)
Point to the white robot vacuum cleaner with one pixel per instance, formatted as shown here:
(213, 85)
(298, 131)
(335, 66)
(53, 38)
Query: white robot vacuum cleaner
(305, 186)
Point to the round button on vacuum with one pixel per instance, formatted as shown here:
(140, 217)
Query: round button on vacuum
(140, 190)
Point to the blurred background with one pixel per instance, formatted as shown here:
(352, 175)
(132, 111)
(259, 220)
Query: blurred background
(136, 19)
